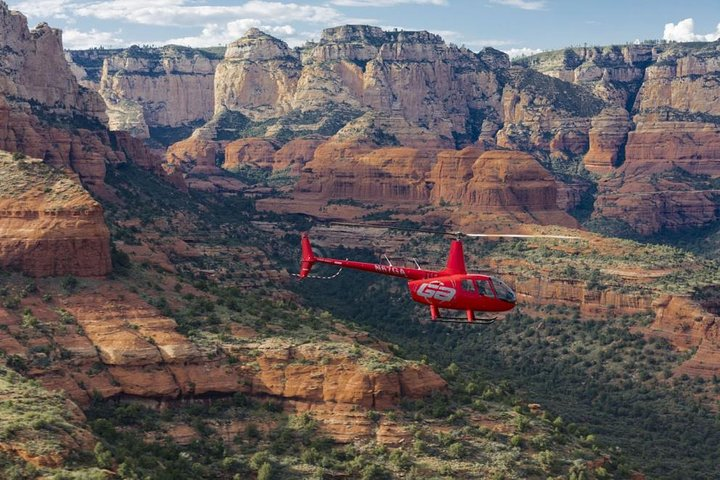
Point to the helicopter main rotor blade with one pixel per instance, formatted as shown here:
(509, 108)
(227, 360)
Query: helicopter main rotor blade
(393, 227)
(451, 233)
(518, 235)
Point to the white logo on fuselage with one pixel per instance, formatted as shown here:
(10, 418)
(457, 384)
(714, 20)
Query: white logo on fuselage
(436, 290)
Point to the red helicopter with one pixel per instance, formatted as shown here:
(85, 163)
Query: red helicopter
(452, 288)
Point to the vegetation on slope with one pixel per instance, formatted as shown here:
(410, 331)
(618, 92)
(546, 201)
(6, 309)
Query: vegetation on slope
(449, 437)
(596, 374)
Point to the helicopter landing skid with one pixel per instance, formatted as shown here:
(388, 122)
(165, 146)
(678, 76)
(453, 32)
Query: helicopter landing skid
(464, 321)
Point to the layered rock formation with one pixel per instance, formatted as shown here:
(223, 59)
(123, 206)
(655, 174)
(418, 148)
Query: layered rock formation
(496, 183)
(45, 114)
(687, 325)
(117, 345)
(253, 152)
(575, 293)
(414, 85)
(514, 183)
(49, 225)
(662, 173)
(355, 171)
(546, 114)
(166, 89)
(608, 137)
(34, 68)
(579, 109)
(613, 73)
(669, 179)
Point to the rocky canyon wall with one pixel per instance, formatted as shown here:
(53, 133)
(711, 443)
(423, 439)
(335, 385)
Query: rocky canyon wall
(167, 90)
(656, 144)
(639, 121)
(49, 225)
(45, 113)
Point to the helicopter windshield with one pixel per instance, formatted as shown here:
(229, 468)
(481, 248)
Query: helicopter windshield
(503, 291)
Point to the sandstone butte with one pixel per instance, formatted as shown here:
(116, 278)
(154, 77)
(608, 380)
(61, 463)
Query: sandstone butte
(49, 224)
(493, 183)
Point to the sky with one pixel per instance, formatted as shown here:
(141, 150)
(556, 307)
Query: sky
(515, 26)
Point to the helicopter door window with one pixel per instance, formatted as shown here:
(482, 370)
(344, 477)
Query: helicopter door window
(467, 286)
(484, 288)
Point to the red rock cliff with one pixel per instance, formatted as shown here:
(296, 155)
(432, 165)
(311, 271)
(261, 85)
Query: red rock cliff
(49, 225)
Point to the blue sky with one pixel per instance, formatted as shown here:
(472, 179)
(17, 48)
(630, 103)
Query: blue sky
(510, 25)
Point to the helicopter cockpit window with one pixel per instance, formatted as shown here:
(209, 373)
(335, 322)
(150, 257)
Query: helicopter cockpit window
(503, 291)
(467, 286)
(484, 288)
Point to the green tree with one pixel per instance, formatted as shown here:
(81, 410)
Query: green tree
(452, 370)
(103, 456)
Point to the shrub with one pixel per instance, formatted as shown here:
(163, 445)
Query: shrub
(522, 423)
(456, 450)
(546, 459)
(419, 446)
(259, 459)
(69, 284)
(265, 472)
(374, 471)
(452, 370)
(103, 457)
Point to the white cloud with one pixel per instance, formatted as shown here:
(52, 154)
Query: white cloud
(183, 13)
(385, 3)
(491, 42)
(523, 4)
(42, 8)
(217, 34)
(77, 40)
(684, 31)
(522, 52)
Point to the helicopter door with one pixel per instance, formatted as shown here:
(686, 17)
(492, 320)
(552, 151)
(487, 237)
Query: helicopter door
(467, 286)
(484, 288)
